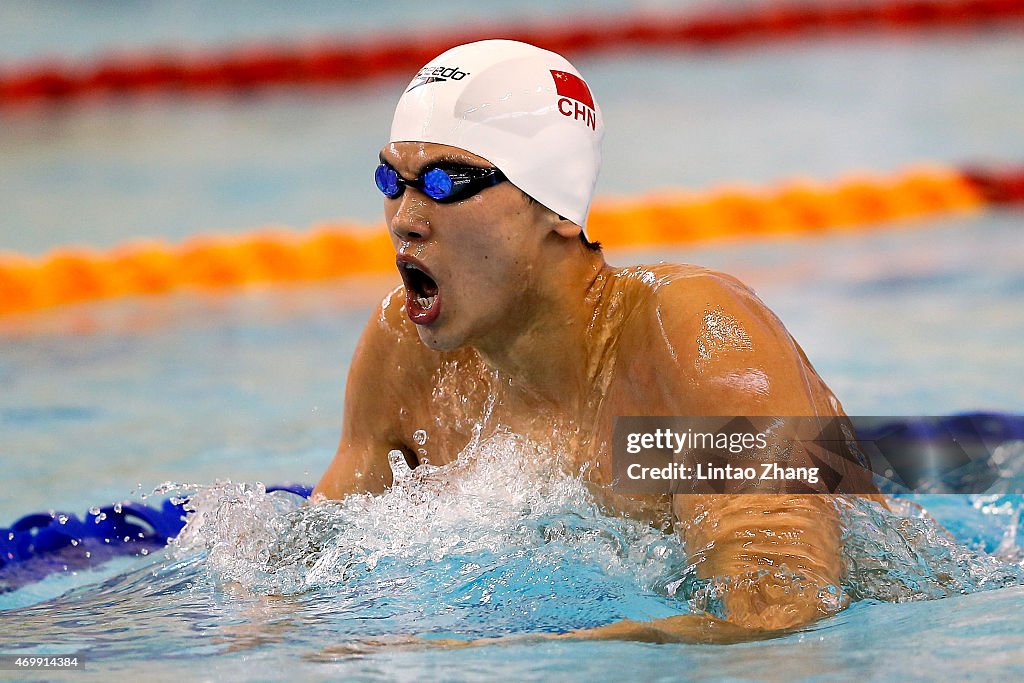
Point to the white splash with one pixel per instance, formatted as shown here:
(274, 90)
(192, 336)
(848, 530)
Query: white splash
(503, 494)
(506, 498)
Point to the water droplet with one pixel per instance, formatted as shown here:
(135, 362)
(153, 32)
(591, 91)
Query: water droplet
(144, 551)
(88, 553)
(399, 467)
(420, 436)
(94, 511)
(117, 508)
(63, 519)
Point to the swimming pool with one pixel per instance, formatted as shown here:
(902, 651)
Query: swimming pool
(105, 401)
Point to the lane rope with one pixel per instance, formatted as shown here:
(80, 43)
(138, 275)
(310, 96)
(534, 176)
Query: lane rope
(43, 543)
(351, 60)
(800, 207)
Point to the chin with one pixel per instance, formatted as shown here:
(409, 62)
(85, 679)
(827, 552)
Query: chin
(436, 341)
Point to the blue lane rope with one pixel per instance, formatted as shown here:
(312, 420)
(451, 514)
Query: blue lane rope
(990, 427)
(45, 542)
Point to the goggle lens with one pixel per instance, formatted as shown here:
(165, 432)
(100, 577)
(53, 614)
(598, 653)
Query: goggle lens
(437, 184)
(387, 181)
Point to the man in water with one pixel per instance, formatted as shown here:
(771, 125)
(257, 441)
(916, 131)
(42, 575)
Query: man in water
(508, 317)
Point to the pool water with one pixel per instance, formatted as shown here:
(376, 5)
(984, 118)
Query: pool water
(493, 545)
(108, 400)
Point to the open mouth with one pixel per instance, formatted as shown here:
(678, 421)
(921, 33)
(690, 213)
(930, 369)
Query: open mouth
(422, 298)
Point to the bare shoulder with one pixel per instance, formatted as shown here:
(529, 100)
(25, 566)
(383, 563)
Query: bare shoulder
(385, 375)
(387, 372)
(390, 348)
(690, 299)
(389, 325)
(728, 348)
(395, 372)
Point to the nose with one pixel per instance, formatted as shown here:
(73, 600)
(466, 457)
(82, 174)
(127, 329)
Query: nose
(411, 220)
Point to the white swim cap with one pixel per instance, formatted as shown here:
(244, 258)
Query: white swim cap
(524, 109)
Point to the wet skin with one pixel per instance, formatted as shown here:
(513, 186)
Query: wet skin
(538, 335)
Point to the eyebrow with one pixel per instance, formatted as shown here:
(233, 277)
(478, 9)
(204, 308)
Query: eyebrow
(444, 158)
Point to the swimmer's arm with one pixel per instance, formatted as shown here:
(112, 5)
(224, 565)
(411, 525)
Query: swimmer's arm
(370, 424)
(779, 556)
(682, 628)
(776, 556)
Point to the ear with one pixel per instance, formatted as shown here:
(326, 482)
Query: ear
(566, 228)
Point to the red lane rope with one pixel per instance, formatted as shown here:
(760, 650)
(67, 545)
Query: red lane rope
(348, 61)
(997, 185)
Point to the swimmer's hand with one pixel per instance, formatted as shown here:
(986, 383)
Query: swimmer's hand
(682, 628)
(759, 607)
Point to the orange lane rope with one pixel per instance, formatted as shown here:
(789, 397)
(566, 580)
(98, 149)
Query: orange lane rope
(72, 274)
(352, 60)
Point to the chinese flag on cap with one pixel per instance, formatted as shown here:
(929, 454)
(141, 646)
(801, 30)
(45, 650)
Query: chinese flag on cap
(572, 86)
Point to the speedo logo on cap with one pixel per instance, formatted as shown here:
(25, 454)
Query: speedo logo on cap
(437, 74)
(575, 100)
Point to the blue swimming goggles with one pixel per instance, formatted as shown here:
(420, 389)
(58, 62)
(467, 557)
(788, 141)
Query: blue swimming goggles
(441, 182)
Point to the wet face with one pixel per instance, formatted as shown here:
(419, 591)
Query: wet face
(469, 265)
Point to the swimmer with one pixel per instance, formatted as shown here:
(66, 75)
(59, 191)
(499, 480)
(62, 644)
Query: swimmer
(509, 316)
